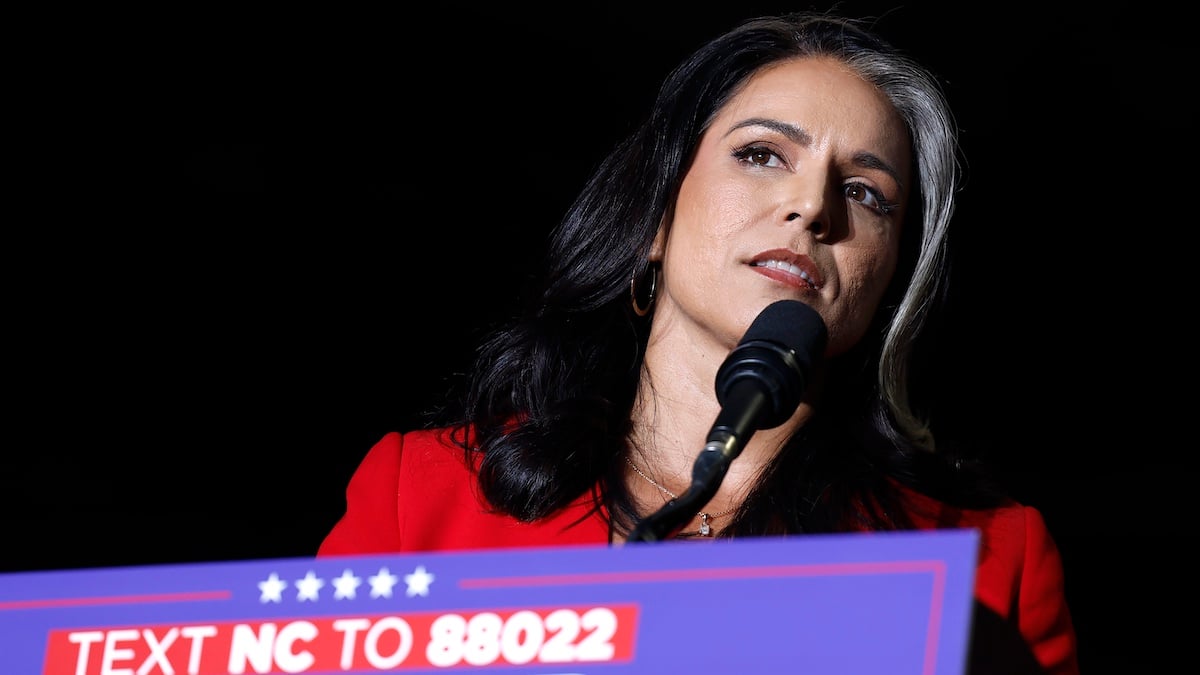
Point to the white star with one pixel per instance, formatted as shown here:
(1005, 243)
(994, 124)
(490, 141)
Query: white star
(418, 582)
(306, 588)
(345, 585)
(382, 583)
(272, 589)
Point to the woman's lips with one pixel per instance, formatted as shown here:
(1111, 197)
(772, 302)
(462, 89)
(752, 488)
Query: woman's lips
(788, 268)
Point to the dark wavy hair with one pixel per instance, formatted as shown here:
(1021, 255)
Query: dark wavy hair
(548, 400)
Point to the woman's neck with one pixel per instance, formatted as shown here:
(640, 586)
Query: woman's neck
(672, 416)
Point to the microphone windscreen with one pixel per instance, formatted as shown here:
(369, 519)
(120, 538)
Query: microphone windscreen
(775, 357)
(793, 325)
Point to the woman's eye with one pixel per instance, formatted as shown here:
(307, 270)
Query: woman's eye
(758, 155)
(868, 197)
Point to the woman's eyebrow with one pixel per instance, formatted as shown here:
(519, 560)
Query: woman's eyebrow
(793, 133)
(867, 160)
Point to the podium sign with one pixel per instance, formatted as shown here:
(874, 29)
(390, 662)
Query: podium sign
(886, 603)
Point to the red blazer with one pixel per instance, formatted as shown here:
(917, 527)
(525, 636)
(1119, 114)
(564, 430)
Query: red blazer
(415, 492)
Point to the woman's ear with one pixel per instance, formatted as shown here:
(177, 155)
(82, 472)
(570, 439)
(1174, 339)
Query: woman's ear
(659, 246)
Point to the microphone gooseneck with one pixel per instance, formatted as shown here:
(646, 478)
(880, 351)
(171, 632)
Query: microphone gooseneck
(759, 386)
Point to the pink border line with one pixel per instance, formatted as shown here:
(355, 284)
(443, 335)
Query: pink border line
(115, 600)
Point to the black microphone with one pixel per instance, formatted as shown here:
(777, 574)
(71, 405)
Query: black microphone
(759, 386)
(761, 381)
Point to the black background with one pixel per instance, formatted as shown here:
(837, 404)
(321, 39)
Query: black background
(249, 245)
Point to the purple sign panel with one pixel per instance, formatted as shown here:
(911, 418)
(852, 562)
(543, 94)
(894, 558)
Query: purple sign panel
(886, 603)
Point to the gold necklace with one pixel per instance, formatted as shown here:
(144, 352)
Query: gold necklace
(705, 530)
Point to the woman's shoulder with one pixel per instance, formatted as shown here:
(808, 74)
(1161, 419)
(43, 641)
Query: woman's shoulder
(430, 484)
(426, 465)
(1008, 526)
(399, 470)
(435, 445)
(1006, 518)
(1019, 576)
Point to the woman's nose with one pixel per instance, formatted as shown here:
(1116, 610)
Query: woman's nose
(817, 224)
(808, 203)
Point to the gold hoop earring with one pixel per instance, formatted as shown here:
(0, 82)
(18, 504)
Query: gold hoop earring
(643, 310)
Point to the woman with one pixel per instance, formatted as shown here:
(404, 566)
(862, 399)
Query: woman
(793, 158)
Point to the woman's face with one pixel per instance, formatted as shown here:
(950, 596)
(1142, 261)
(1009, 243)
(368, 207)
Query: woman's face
(797, 191)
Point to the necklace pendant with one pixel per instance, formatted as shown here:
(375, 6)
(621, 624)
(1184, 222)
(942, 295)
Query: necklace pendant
(704, 528)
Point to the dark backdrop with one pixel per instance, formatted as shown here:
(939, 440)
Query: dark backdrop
(252, 244)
